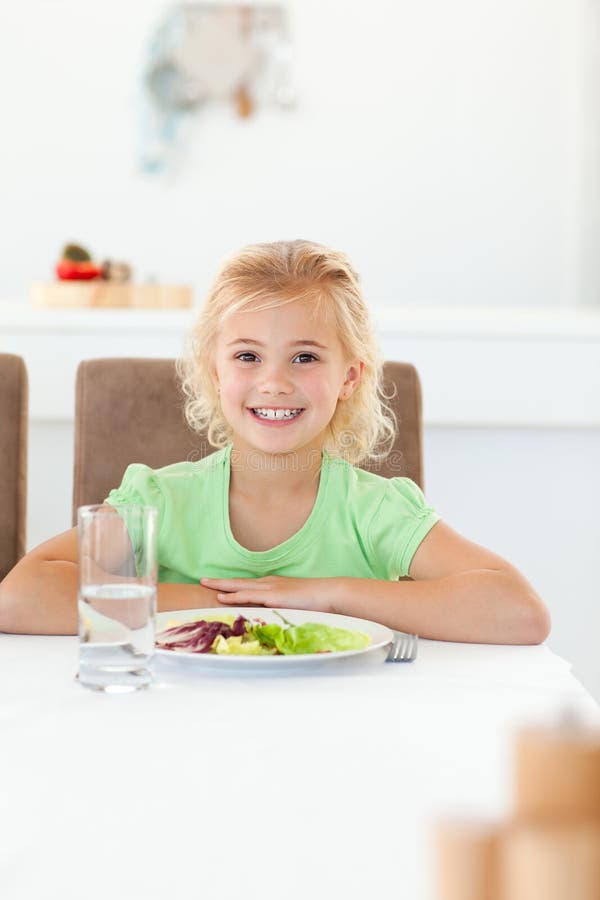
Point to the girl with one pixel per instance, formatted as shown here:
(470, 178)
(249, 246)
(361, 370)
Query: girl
(284, 374)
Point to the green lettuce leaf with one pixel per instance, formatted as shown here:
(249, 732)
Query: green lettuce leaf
(310, 638)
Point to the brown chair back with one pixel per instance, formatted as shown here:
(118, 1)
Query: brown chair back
(13, 460)
(401, 380)
(131, 410)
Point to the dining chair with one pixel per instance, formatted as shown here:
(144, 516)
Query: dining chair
(13, 460)
(131, 410)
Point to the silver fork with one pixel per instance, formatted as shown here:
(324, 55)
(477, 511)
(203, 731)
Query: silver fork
(404, 648)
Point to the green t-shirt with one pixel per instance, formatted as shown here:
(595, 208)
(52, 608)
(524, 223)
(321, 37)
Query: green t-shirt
(361, 525)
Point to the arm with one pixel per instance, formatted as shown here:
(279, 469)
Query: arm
(460, 592)
(39, 596)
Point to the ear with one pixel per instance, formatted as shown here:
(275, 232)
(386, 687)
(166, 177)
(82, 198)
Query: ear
(352, 380)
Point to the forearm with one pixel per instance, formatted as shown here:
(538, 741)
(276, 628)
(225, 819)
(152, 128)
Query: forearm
(40, 597)
(480, 606)
(186, 596)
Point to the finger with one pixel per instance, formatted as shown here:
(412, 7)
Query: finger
(279, 603)
(241, 598)
(231, 584)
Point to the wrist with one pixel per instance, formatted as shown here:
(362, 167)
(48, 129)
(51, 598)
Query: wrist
(336, 591)
(174, 596)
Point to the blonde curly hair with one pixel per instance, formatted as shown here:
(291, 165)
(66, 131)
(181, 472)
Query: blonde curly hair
(263, 276)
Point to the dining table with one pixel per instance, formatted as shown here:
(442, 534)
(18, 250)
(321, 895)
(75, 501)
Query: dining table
(319, 780)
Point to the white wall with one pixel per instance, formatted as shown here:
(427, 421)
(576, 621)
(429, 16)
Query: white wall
(531, 495)
(443, 145)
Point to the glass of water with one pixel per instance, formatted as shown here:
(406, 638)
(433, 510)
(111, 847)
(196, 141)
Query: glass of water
(117, 596)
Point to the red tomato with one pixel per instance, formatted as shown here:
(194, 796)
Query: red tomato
(68, 270)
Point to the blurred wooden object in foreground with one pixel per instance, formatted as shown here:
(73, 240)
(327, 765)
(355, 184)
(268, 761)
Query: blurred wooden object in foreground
(550, 862)
(557, 774)
(467, 853)
(104, 294)
(550, 848)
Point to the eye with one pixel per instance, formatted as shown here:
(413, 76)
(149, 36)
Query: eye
(306, 357)
(246, 357)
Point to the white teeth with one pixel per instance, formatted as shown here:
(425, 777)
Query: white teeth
(277, 413)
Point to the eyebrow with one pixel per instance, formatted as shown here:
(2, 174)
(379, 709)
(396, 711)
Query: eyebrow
(291, 344)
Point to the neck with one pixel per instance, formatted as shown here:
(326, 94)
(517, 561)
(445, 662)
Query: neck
(258, 474)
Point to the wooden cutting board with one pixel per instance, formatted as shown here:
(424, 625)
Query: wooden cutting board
(103, 294)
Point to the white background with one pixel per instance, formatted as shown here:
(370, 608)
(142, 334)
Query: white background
(449, 148)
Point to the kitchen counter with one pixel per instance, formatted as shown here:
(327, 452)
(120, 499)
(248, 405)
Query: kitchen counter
(479, 366)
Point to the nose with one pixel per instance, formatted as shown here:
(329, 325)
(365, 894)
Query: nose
(274, 380)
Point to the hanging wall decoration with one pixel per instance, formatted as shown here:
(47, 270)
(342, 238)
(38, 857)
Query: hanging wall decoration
(205, 53)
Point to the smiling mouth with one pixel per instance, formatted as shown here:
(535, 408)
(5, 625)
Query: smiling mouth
(268, 414)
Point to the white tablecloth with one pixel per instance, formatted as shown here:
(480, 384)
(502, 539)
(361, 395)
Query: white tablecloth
(321, 783)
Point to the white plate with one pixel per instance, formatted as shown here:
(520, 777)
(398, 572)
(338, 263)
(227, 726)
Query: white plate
(379, 634)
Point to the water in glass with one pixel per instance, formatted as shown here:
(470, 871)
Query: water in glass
(116, 633)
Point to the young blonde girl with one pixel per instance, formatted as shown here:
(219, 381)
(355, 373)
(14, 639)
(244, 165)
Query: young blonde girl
(284, 374)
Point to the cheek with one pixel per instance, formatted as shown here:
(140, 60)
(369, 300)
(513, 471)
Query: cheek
(226, 381)
(233, 384)
(323, 390)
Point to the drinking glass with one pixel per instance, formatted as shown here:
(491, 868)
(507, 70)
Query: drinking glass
(117, 596)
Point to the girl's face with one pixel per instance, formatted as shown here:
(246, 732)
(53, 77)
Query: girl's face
(280, 373)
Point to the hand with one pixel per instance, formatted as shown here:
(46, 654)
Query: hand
(275, 590)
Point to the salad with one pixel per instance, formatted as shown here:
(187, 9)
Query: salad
(254, 637)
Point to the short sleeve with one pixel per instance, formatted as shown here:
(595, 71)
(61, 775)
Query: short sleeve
(399, 524)
(139, 485)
